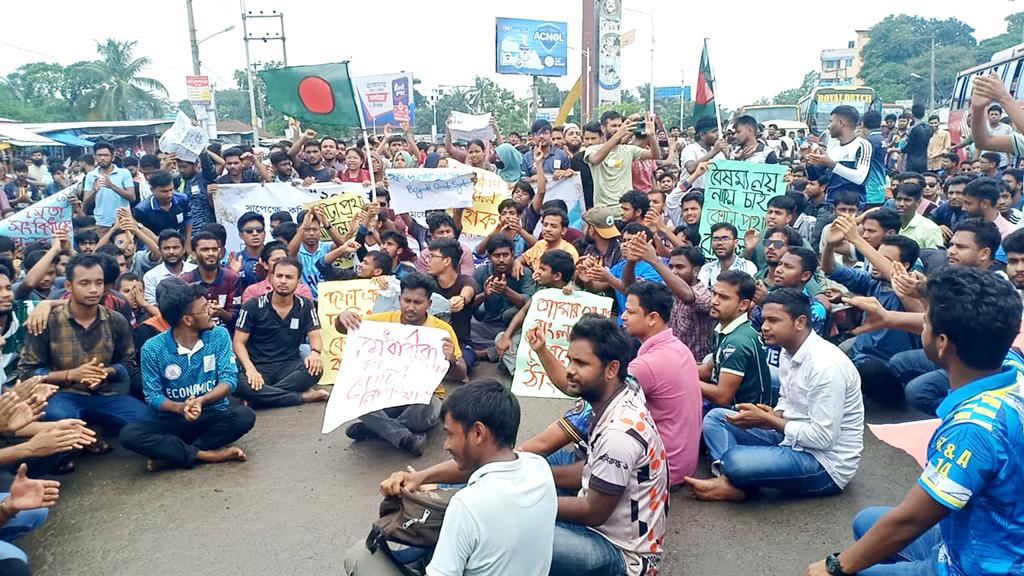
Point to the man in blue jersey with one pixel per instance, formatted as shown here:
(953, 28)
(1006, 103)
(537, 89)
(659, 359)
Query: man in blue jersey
(848, 155)
(874, 185)
(188, 372)
(963, 515)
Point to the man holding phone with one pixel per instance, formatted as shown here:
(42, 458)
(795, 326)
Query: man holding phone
(611, 163)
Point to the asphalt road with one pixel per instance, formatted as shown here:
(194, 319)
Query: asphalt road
(303, 498)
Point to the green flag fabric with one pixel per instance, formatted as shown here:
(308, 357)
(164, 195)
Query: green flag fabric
(322, 93)
(704, 102)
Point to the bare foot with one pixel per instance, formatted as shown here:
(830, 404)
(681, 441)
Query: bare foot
(715, 490)
(315, 395)
(221, 455)
(155, 465)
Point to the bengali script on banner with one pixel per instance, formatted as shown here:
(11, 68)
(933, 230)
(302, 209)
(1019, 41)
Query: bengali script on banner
(556, 313)
(489, 190)
(334, 298)
(386, 364)
(40, 220)
(737, 192)
(341, 211)
(422, 189)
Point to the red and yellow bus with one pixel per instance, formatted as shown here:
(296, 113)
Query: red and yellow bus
(1008, 64)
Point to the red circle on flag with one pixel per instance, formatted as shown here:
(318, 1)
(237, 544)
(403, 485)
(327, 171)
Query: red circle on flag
(316, 95)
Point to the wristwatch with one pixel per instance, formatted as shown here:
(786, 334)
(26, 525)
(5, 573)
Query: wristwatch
(832, 566)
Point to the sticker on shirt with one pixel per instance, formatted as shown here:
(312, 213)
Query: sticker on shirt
(209, 363)
(180, 218)
(295, 324)
(172, 372)
(725, 353)
(195, 189)
(557, 164)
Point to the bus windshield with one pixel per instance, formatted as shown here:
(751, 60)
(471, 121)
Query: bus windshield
(825, 101)
(765, 114)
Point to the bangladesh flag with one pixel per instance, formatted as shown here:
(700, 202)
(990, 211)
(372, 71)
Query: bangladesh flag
(323, 93)
(704, 102)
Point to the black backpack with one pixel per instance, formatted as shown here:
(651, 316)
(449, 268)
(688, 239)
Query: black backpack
(408, 528)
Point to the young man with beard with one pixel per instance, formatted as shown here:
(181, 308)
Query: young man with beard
(272, 253)
(38, 173)
(810, 442)
(748, 147)
(611, 163)
(738, 371)
(616, 525)
(237, 173)
(199, 184)
(723, 244)
(312, 169)
(961, 517)
(405, 426)
(220, 282)
(188, 373)
(88, 352)
(980, 199)
(499, 296)
(268, 334)
(107, 187)
(172, 253)
(396, 245)
(708, 146)
(509, 502)
(848, 157)
(667, 373)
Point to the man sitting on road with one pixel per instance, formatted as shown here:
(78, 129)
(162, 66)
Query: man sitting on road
(499, 296)
(188, 372)
(268, 334)
(220, 282)
(810, 443)
(272, 253)
(172, 252)
(723, 244)
(508, 506)
(405, 426)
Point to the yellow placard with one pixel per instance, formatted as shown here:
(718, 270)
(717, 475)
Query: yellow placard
(334, 298)
(341, 211)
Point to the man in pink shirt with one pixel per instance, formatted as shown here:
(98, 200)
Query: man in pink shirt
(667, 372)
(272, 252)
(980, 198)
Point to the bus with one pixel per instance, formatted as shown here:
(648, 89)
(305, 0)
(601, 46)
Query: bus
(1008, 64)
(816, 107)
(785, 116)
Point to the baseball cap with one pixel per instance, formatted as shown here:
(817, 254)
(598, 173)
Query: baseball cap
(602, 219)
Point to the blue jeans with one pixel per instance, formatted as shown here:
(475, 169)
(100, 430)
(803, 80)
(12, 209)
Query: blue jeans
(114, 410)
(925, 383)
(752, 458)
(579, 551)
(22, 523)
(919, 558)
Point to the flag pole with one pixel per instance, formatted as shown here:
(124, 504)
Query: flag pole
(366, 139)
(718, 112)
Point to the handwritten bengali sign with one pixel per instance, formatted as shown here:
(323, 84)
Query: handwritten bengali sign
(334, 298)
(183, 139)
(557, 313)
(489, 190)
(387, 364)
(40, 220)
(470, 126)
(341, 211)
(737, 192)
(421, 189)
(232, 200)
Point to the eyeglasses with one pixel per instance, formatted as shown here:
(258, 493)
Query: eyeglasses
(721, 239)
(774, 244)
(253, 230)
(931, 185)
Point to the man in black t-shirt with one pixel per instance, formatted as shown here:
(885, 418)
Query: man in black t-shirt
(268, 333)
(443, 257)
(312, 167)
(915, 153)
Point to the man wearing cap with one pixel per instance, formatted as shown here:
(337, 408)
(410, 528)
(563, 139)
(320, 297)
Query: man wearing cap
(611, 163)
(556, 161)
(604, 238)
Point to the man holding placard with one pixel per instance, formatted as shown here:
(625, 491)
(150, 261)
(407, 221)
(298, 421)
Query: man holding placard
(405, 426)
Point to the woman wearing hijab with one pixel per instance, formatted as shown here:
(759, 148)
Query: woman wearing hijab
(510, 163)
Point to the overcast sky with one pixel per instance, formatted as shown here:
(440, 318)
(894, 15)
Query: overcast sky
(448, 42)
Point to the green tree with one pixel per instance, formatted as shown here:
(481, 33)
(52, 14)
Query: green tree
(121, 89)
(1012, 37)
(793, 95)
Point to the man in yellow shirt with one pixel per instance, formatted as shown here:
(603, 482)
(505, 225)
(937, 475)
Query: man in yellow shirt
(939, 144)
(553, 222)
(405, 427)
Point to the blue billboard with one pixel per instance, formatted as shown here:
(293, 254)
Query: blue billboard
(531, 47)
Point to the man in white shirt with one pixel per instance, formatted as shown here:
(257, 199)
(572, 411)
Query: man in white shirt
(172, 251)
(503, 521)
(810, 443)
(709, 146)
(723, 244)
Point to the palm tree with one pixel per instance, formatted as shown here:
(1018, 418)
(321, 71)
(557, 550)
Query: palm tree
(123, 89)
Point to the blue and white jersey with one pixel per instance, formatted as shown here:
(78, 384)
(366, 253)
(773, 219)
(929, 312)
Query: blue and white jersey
(172, 372)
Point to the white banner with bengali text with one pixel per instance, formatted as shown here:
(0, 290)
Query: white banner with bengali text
(422, 189)
(40, 220)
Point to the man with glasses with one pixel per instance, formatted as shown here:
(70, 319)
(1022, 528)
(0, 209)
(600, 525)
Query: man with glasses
(188, 372)
(723, 244)
(253, 232)
(930, 197)
(109, 187)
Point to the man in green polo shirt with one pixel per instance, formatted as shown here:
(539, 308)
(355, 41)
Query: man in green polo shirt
(737, 372)
(926, 233)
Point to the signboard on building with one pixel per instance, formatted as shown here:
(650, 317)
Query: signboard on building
(531, 47)
(198, 89)
(609, 48)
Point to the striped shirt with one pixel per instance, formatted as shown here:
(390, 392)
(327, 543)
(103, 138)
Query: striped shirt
(310, 274)
(172, 372)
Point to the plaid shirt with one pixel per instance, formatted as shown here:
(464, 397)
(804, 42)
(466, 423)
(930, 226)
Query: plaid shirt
(65, 345)
(692, 323)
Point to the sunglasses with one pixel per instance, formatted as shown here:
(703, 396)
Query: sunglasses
(253, 230)
(774, 244)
